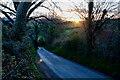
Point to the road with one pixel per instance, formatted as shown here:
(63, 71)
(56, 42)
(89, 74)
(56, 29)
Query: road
(64, 68)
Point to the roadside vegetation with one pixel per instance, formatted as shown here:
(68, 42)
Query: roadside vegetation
(18, 58)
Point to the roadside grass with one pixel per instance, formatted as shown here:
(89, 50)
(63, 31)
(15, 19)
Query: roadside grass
(97, 63)
(31, 56)
(36, 72)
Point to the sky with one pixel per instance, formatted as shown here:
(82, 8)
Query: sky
(65, 6)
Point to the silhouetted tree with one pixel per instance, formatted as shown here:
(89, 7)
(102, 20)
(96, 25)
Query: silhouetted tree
(96, 15)
(89, 27)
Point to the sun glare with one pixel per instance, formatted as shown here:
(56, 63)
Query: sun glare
(74, 20)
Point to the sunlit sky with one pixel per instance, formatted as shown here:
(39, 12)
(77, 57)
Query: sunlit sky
(65, 6)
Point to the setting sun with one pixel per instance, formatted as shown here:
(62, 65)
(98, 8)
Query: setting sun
(74, 20)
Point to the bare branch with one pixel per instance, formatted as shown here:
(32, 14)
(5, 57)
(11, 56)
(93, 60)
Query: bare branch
(15, 4)
(56, 6)
(45, 7)
(107, 20)
(80, 13)
(33, 3)
(7, 8)
(7, 16)
(11, 13)
(36, 6)
(33, 18)
(98, 27)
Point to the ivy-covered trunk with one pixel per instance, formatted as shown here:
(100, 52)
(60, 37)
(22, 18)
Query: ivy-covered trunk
(20, 22)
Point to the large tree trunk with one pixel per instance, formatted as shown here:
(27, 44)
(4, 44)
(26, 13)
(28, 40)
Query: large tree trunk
(21, 20)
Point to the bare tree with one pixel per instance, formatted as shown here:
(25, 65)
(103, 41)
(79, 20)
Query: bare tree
(22, 13)
(96, 15)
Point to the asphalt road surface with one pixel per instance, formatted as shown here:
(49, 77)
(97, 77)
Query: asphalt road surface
(64, 68)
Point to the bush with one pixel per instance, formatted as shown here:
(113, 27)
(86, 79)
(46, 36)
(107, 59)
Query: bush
(18, 58)
(73, 44)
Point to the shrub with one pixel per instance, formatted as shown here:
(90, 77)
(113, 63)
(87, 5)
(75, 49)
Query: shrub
(73, 44)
